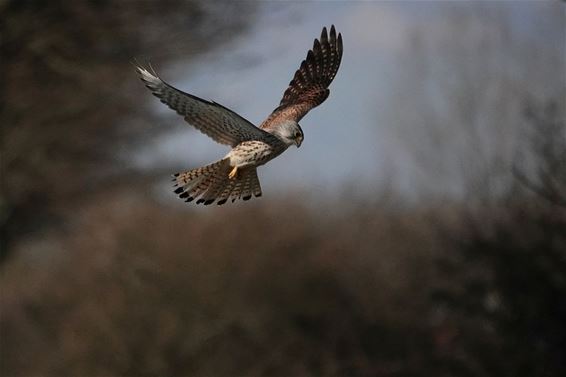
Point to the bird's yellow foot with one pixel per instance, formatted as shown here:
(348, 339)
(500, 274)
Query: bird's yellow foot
(234, 173)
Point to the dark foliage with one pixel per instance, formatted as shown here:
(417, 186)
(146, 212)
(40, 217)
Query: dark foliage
(67, 105)
(102, 279)
(237, 292)
(510, 265)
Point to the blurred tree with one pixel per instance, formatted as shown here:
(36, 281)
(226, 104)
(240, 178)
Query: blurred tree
(68, 103)
(138, 288)
(547, 154)
(463, 90)
(507, 280)
(143, 290)
(483, 123)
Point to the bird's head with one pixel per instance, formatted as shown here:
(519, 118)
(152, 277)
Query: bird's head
(290, 133)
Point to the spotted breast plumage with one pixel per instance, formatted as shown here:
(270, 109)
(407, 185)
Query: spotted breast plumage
(235, 176)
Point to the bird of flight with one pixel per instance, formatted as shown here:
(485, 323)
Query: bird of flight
(235, 176)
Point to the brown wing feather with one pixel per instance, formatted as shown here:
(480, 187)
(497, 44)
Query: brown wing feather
(309, 86)
(220, 123)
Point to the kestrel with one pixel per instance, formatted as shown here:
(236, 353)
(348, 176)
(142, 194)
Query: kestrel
(235, 176)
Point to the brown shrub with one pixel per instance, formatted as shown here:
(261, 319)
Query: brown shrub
(282, 290)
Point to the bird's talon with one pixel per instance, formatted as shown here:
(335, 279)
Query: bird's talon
(233, 173)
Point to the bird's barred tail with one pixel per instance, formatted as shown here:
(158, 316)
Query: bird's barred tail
(211, 183)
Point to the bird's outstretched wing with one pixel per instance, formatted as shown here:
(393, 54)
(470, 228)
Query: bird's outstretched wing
(309, 87)
(220, 123)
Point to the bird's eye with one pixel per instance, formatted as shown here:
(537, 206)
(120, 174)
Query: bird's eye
(297, 134)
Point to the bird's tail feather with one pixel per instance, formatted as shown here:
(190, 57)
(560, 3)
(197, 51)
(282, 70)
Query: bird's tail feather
(210, 183)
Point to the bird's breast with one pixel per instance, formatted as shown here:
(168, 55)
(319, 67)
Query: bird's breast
(254, 153)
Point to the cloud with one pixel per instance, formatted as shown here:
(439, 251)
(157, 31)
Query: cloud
(378, 25)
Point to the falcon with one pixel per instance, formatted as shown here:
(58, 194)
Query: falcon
(235, 176)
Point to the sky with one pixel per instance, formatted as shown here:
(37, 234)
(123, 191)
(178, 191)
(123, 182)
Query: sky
(349, 139)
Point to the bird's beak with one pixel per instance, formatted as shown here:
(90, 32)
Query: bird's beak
(298, 141)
